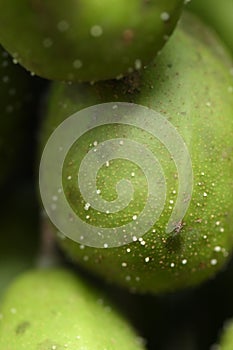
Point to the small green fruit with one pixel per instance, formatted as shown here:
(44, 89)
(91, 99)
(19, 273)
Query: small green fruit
(218, 14)
(191, 86)
(54, 309)
(86, 40)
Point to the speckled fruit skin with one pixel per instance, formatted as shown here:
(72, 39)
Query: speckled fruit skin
(218, 14)
(15, 99)
(54, 309)
(86, 40)
(190, 84)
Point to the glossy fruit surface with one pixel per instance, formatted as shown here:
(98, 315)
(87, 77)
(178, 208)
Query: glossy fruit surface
(191, 86)
(86, 40)
(218, 14)
(54, 309)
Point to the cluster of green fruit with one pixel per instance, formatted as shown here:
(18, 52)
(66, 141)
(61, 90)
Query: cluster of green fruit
(152, 53)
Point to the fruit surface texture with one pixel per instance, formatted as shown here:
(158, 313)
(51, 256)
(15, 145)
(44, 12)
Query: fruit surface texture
(86, 40)
(191, 86)
(53, 309)
(219, 15)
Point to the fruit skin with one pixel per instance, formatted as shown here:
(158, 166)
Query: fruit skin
(218, 14)
(16, 99)
(54, 309)
(226, 340)
(86, 40)
(19, 237)
(189, 83)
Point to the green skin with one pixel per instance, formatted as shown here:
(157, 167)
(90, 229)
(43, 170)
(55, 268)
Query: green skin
(19, 237)
(15, 99)
(54, 309)
(226, 341)
(56, 37)
(189, 84)
(218, 14)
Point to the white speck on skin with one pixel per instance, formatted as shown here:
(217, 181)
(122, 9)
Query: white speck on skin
(217, 248)
(95, 143)
(69, 177)
(98, 191)
(213, 262)
(132, 174)
(172, 265)
(217, 223)
(184, 261)
(143, 242)
(134, 217)
(164, 16)
(124, 264)
(47, 43)
(87, 206)
(138, 64)
(63, 26)
(204, 194)
(204, 236)
(121, 142)
(128, 250)
(221, 229)
(77, 64)
(208, 104)
(147, 259)
(96, 31)
(107, 163)
(105, 245)
(135, 238)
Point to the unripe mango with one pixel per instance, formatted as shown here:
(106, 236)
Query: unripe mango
(190, 85)
(54, 310)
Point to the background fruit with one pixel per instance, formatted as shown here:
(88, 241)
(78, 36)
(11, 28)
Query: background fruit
(86, 41)
(54, 309)
(218, 14)
(226, 341)
(190, 84)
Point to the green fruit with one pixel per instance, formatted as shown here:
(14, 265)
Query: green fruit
(218, 14)
(226, 341)
(191, 86)
(53, 309)
(86, 40)
(18, 235)
(15, 101)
